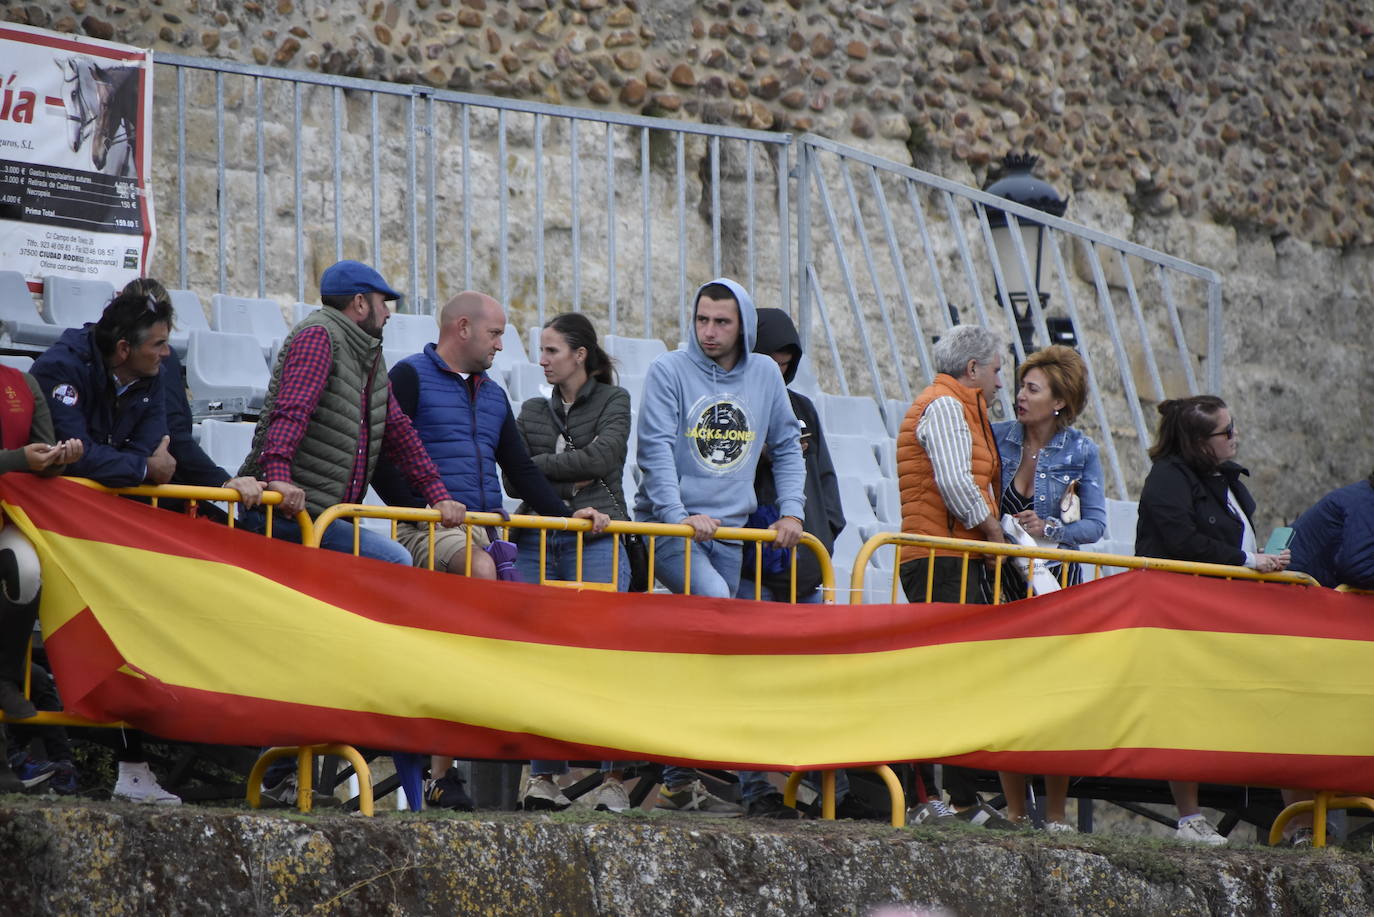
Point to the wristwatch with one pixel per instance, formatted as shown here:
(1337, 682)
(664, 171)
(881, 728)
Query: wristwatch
(1052, 529)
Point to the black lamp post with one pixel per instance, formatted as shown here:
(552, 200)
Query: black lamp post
(1016, 183)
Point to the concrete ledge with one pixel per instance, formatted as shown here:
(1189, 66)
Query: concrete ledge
(94, 858)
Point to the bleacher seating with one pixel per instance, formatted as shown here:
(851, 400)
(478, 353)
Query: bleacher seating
(804, 382)
(189, 316)
(633, 355)
(222, 365)
(22, 322)
(23, 364)
(71, 303)
(262, 318)
(409, 332)
(300, 310)
(227, 443)
(851, 414)
(512, 353)
(525, 381)
(896, 410)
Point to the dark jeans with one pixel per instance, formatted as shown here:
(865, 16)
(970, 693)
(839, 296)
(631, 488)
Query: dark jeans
(946, 588)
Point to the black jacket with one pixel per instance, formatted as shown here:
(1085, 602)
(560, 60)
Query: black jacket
(824, 515)
(193, 465)
(1184, 516)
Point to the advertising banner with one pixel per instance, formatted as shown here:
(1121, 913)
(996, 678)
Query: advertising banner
(75, 161)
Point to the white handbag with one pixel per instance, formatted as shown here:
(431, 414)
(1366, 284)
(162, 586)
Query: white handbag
(1043, 581)
(1069, 510)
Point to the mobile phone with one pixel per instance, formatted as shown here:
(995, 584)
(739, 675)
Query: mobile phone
(1279, 540)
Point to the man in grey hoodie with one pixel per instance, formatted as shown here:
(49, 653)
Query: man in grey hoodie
(707, 413)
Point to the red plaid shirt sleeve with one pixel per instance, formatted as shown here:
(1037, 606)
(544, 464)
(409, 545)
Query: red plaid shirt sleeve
(304, 372)
(403, 448)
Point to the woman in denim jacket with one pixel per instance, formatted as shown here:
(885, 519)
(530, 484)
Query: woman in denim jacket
(1042, 454)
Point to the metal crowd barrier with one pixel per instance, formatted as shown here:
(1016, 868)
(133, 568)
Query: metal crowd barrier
(968, 550)
(1324, 800)
(545, 524)
(649, 530)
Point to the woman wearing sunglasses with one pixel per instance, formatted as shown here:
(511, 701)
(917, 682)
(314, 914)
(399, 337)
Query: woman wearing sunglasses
(1194, 507)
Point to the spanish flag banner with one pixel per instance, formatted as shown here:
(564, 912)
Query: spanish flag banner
(192, 631)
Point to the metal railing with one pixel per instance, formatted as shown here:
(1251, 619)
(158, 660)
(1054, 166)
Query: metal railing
(622, 216)
(516, 193)
(652, 531)
(903, 249)
(972, 552)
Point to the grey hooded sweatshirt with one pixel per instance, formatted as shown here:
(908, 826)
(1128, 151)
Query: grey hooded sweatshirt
(702, 430)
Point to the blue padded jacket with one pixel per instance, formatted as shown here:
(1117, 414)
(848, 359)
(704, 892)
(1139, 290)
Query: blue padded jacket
(1334, 540)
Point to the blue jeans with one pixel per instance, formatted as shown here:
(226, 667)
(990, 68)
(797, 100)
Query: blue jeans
(715, 566)
(755, 784)
(560, 558)
(338, 537)
(746, 591)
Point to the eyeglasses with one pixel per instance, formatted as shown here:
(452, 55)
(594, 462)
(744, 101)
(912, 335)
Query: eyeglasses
(1229, 432)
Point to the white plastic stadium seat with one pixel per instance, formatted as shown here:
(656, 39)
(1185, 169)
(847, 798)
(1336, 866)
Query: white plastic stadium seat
(300, 310)
(526, 381)
(896, 412)
(221, 365)
(190, 316)
(409, 333)
(226, 443)
(22, 321)
(854, 414)
(511, 354)
(853, 457)
(633, 355)
(23, 364)
(804, 382)
(69, 303)
(261, 318)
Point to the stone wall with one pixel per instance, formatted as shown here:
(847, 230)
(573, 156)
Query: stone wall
(1249, 114)
(1234, 135)
(118, 859)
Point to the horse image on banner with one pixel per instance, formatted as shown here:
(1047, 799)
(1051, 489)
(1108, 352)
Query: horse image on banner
(102, 110)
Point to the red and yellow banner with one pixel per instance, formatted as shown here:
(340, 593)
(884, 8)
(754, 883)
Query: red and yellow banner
(192, 631)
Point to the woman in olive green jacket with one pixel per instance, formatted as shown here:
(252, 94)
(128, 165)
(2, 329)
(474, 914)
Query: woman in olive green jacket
(578, 437)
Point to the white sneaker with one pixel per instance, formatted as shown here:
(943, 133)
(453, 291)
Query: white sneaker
(1198, 831)
(611, 796)
(136, 783)
(1060, 827)
(542, 794)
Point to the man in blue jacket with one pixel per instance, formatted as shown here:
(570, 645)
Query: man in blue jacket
(707, 415)
(1334, 540)
(102, 386)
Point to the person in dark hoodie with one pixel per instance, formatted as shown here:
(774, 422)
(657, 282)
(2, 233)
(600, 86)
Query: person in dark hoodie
(777, 338)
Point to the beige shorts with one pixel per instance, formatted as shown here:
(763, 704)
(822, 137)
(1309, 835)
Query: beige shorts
(450, 545)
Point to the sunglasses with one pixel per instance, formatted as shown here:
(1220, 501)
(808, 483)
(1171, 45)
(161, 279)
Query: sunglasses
(1229, 432)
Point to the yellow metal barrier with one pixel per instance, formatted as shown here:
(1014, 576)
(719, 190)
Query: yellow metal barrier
(193, 496)
(545, 524)
(968, 550)
(652, 531)
(305, 773)
(1324, 799)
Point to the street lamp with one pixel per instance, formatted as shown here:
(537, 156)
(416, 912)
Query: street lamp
(1017, 184)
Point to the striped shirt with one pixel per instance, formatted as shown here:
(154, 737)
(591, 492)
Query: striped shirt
(944, 434)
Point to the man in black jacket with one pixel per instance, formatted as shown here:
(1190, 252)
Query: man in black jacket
(777, 338)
